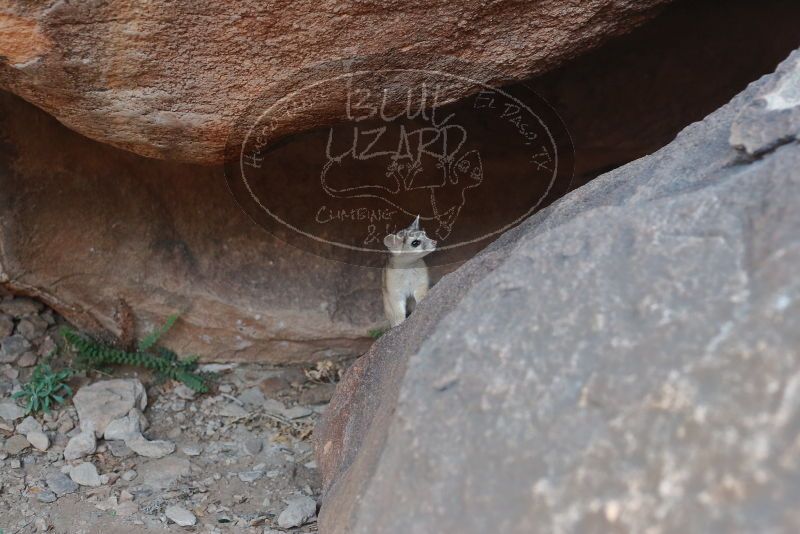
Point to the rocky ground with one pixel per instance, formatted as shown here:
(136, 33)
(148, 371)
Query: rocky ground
(237, 459)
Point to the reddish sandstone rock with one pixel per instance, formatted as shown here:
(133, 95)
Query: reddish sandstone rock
(84, 226)
(168, 79)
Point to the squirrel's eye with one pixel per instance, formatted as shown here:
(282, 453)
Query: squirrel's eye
(415, 243)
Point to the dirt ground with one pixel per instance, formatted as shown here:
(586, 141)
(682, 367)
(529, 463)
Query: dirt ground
(242, 453)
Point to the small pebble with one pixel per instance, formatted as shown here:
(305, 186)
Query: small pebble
(27, 360)
(299, 511)
(11, 411)
(46, 496)
(119, 449)
(85, 474)
(60, 483)
(150, 449)
(180, 516)
(16, 444)
(29, 424)
(192, 450)
(83, 444)
(39, 440)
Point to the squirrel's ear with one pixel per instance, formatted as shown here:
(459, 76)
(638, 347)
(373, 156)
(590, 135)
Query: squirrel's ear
(414, 225)
(393, 242)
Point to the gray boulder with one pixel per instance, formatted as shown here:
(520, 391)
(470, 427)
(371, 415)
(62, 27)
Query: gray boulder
(627, 360)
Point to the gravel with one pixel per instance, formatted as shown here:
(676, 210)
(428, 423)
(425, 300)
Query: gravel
(226, 451)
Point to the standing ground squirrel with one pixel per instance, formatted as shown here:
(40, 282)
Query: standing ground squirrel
(405, 277)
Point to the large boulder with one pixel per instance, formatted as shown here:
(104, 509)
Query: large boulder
(168, 79)
(93, 230)
(86, 227)
(626, 360)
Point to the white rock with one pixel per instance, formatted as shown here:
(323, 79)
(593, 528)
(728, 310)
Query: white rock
(60, 484)
(151, 449)
(102, 402)
(124, 428)
(299, 511)
(38, 439)
(180, 516)
(143, 422)
(129, 475)
(81, 445)
(29, 424)
(192, 449)
(10, 411)
(85, 474)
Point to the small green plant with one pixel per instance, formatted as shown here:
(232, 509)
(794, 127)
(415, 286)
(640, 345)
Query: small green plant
(375, 333)
(45, 388)
(165, 363)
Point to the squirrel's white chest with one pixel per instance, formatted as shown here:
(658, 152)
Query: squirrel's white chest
(404, 283)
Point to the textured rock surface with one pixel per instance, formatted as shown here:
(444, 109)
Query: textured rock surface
(299, 511)
(180, 516)
(11, 411)
(80, 445)
(60, 483)
(165, 238)
(168, 79)
(150, 449)
(85, 474)
(102, 402)
(627, 358)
